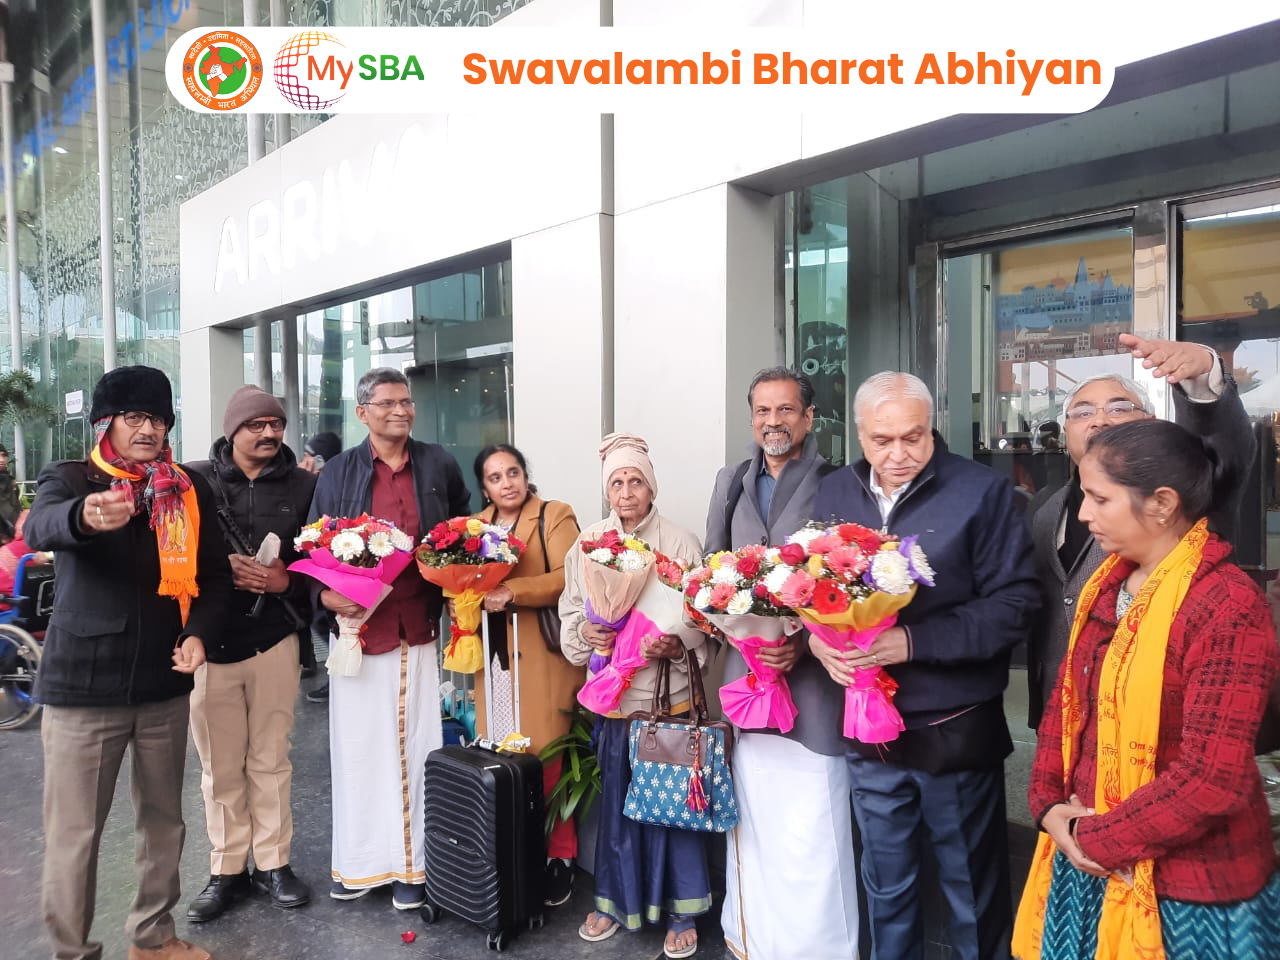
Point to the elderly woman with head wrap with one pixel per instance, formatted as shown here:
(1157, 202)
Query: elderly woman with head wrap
(641, 871)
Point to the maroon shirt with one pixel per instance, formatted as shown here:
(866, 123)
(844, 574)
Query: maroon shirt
(403, 615)
(1204, 818)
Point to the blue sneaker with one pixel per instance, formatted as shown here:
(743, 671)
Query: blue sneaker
(340, 891)
(408, 896)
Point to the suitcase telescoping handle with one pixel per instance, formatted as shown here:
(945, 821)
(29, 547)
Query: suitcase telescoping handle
(488, 674)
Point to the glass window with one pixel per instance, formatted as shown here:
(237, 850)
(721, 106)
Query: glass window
(816, 266)
(1024, 322)
(1229, 299)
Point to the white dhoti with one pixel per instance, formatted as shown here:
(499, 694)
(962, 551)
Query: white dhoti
(790, 885)
(382, 724)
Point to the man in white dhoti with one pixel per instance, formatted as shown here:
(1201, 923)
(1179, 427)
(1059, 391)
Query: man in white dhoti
(385, 720)
(791, 883)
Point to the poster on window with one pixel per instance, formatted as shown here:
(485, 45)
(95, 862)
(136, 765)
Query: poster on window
(1063, 299)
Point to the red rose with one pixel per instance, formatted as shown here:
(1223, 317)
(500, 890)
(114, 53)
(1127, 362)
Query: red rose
(792, 554)
(748, 566)
(515, 543)
(471, 545)
(760, 591)
(439, 530)
(829, 598)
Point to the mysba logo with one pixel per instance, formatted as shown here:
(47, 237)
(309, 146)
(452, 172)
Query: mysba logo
(312, 70)
(222, 70)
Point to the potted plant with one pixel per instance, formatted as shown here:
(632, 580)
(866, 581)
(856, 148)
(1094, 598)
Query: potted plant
(579, 782)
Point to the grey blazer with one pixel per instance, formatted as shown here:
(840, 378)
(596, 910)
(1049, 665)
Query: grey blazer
(820, 701)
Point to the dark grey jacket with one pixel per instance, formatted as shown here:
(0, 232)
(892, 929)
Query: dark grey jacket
(1225, 423)
(820, 702)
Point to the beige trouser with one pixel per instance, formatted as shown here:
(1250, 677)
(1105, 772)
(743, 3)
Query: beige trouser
(241, 719)
(83, 750)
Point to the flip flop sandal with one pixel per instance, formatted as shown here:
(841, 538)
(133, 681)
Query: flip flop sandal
(679, 953)
(590, 937)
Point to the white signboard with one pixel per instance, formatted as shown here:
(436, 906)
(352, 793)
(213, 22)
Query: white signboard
(74, 403)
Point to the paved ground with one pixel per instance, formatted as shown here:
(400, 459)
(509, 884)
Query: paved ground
(367, 929)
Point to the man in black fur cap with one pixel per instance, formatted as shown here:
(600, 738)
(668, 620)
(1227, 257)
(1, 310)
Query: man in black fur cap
(142, 583)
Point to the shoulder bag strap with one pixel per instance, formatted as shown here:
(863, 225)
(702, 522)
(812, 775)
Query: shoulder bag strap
(542, 535)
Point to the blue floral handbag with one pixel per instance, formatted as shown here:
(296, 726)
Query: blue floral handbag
(681, 774)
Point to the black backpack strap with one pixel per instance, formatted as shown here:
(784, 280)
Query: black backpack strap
(542, 536)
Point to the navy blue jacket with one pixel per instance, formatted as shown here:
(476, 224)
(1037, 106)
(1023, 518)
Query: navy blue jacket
(963, 629)
(345, 489)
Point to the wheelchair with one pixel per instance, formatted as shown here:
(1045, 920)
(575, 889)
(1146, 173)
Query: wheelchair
(22, 627)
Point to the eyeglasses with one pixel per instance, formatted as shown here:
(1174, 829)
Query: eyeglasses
(1085, 412)
(389, 405)
(135, 418)
(257, 426)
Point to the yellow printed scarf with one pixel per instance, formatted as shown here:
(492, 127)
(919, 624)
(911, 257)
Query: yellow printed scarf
(1128, 718)
(177, 532)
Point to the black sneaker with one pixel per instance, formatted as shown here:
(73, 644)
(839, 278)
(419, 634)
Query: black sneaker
(557, 883)
(320, 694)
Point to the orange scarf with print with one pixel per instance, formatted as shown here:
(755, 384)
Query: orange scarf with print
(1128, 716)
(165, 491)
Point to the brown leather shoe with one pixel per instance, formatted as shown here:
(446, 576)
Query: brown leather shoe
(174, 949)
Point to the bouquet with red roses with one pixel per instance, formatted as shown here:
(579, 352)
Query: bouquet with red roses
(467, 558)
(847, 583)
(358, 557)
(731, 591)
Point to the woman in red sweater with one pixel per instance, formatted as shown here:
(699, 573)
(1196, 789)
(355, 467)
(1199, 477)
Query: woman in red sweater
(1157, 841)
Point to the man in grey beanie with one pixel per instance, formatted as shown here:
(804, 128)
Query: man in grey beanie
(242, 705)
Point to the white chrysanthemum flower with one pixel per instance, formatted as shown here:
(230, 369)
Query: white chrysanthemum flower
(630, 560)
(805, 536)
(380, 544)
(775, 578)
(347, 545)
(401, 540)
(726, 574)
(601, 555)
(890, 572)
(920, 565)
(702, 601)
(309, 535)
(772, 555)
(741, 603)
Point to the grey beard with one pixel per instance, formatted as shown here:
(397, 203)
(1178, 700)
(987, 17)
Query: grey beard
(778, 448)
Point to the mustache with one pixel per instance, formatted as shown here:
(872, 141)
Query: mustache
(267, 442)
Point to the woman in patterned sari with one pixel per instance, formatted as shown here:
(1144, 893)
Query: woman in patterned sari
(1156, 842)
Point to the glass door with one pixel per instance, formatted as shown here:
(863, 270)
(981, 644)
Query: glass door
(1229, 299)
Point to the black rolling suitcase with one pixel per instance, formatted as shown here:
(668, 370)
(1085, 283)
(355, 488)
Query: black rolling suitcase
(485, 846)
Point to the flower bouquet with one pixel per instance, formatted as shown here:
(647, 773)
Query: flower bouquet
(847, 583)
(466, 558)
(358, 557)
(732, 591)
(658, 610)
(616, 570)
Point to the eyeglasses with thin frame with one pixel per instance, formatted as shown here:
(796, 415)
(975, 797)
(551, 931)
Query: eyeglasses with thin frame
(136, 418)
(1085, 412)
(257, 426)
(388, 405)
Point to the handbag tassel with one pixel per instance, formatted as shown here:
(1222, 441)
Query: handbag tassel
(697, 792)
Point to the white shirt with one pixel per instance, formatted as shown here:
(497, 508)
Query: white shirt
(884, 500)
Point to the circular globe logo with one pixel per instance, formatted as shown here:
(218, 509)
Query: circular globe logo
(222, 70)
(307, 70)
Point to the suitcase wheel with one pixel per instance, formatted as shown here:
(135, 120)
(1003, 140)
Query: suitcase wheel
(497, 940)
(536, 921)
(429, 912)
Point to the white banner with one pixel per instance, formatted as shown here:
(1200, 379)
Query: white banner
(929, 71)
